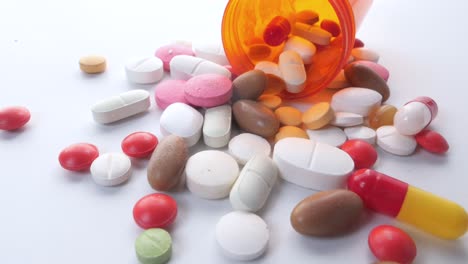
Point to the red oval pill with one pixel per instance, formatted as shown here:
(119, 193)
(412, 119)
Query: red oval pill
(363, 154)
(358, 43)
(432, 141)
(277, 31)
(139, 144)
(78, 157)
(331, 26)
(389, 243)
(156, 210)
(14, 117)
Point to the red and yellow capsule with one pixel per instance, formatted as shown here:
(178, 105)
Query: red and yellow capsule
(424, 210)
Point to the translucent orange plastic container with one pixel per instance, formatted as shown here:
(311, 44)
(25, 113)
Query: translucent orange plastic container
(244, 22)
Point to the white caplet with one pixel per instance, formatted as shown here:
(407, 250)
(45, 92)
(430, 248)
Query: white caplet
(184, 67)
(390, 140)
(303, 47)
(182, 120)
(111, 169)
(330, 135)
(356, 100)
(217, 126)
(412, 118)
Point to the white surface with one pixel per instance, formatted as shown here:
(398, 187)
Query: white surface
(52, 216)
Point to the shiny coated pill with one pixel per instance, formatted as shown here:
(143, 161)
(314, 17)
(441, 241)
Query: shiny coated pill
(139, 144)
(14, 117)
(363, 154)
(392, 244)
(155, 210)
(78, 157)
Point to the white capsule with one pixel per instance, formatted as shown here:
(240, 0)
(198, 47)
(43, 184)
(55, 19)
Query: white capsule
(212, 52)
(182, 120)
(356, 100)
(184, 67)
(303, 47)
(293, 71)
(361, 132)
(344, 119)
(217, 126)
(111, 169)
(121, 106)
(412, 118)
(330, 135)
(144, 70)
(393, 142)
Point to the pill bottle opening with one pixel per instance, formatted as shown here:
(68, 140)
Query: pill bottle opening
(244, 23)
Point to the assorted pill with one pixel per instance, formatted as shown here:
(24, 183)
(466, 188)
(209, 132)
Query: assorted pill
(356, 100)
(190, 130)
(432, 141)
(93, 64)
(390, 140)
(184, 67)
(312, 33)
(377, 68)
(318, 116)
(144, 70)
(303, 47)
(277, 31)
(111, 169)
(255, 118)
(339, 82)
(363, 154)
(331, 26)
(415, 115)
(245, 146)
(154, 246)
(392, 244)
(359, 75)
(78, 157)
(208, 90)
(168, 52)
(365, 54)
(307, 17)
(362, 133)
(330, 135)
(217, 126)
(382, 116)
(290, 131)
(249, 85)
(155, 210)
(293, 71)
(14, 117)
(289, 116)
(139, 144)
(270, 101)
(169, 92)
(211, 52)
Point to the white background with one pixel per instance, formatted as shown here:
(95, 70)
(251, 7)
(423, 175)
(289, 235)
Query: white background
(49, 215)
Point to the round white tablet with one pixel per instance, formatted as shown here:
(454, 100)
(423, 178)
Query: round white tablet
(391, 141)
(111, 169)
(242, 235)
(144, 70)
(211, 174)
(182, 120)
(244, 146)
(330, 135)
(361, 132)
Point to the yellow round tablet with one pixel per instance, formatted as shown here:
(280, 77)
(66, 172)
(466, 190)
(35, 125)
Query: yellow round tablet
(318, 116)
(289, 116)
(290, 131)
(93, 64)
(270, 101)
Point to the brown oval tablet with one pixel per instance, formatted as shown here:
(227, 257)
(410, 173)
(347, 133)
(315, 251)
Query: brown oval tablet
(249, 85)
(255, 118)
(275, 85)
(167, 163)
(361, 76)
(259, 52)
(93, 64)
(328, 213)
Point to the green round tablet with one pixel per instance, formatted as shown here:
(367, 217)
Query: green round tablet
(154, 246)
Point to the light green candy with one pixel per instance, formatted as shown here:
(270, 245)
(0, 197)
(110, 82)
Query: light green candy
(154, 246)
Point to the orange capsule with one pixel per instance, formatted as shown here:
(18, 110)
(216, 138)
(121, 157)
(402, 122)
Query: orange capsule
(277, 31)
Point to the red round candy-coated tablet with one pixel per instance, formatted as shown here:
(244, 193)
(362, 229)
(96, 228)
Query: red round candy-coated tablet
(362, 153)
(78, 157)
(331, 26)
(139, 144)
(13, 117)
(156, 210)
(432, 141)
(389, 243)
(358, 43)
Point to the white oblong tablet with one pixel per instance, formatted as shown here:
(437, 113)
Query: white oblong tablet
(212, 52)
(330, 135)
(269, 67)
(121, 106)
(242, 235)
(344, 119)
(356, 100)
(361, 132)
(303, 47)
(252, 188)
(211, 174)
(293, 71)
(144, 70)
(312, 164)
(217, 126)
(111, 169)
(312, 33)
(246, 145)
(390, 140)
(182, 120)
(184, 67)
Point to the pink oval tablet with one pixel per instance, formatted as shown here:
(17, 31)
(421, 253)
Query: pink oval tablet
(377, 68)
(14, 117)
(167, 52)
(169, 92)
(208, 90)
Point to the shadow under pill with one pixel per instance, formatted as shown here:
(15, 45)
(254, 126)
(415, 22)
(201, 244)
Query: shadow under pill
(74, 176)
(12, 134)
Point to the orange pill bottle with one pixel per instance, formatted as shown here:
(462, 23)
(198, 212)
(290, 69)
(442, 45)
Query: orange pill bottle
(244, 23)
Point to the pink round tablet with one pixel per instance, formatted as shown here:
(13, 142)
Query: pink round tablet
(208, 90)
(377, 68)
(167, 52)
(169, 92)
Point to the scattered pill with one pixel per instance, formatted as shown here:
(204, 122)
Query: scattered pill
(431, 213)
(249, 85)
(358, 43)
(363, 154)
(253, 186)
(365, 54)
(339, 82)
(303, 47)
(169, 92)
(330, 135)
(111, 169)
(344, 119)
(289, 116)
(14, 117)
(245, 146)
(208, 90)
(139, 144)
(270, 101)
(211, 174)
(318, 116)
(258, 52)
(78, 157)
(121, 106)
(362, 76)
(92, 64)
(275, 85)
(392, 244)
(415, 115)
(362, 133)
(307, 17)
(191, 127)
(293, 71)
(167, 163)
(153, 246)
(382, 116)
(168, 52)
(390, 140)
(331, 26)
(377, 68)
(255, 118)
(144, 70)
(432, 141)
(328, 213)
(269, 67)
(155, 210)
(211, 51)
(290, 131)
(184, 67)
(277, 31)
(242, 235)
(356, 100)
(217, 126)
(313, 34)
(312, 164)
